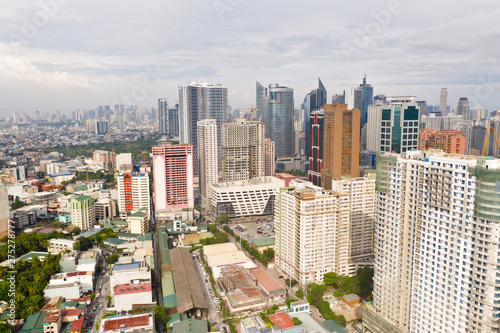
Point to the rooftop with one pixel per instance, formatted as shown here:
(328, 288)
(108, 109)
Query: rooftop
(190, 326)
(114, 241)
(127, 322)
(125, 267)
(187, 286)
(83, 198)
(265, 280)
(52, 317)
(132, 289)
(265, 241)
(282, 320)
(138, 214)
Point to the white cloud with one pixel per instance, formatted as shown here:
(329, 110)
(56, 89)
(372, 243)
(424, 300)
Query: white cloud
(88, 53)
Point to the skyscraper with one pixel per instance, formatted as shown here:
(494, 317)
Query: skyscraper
(316, 158)
(173, 176)
(262, 103)
(362, 208)
(393, 126)
(340, 143)
(168, 118)
(313, 237)
(281, 119)
(313, 101)
(207, 143)
(366, 99)
(133, 193)
(162, 116)
(243, 150)
(101, 127)
(198, 101)
(270, 164)
(436, 244)
(443, 101)
(83, 212)
(4, 209)
(463, 108)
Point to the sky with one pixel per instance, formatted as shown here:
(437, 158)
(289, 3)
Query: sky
(70, 54)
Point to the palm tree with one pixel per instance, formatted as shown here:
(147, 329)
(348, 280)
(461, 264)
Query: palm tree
(32, 305)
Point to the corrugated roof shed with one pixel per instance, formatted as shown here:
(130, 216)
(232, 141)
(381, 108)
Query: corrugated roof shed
(187, 285)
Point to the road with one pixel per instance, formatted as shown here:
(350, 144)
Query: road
(101, 300)
(213, 316)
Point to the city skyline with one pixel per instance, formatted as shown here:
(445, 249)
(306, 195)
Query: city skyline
(72, 56)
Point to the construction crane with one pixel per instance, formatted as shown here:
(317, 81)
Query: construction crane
(252, 109)
(144, 152)
(486, 138)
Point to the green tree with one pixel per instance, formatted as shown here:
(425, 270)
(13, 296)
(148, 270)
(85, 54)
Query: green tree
(40, 174)
(84, 244)
(4, 328)
(365, 278)
(17, 204)
(161, 317)
(212, 228)
(290, 300)
(112, 259)
(268, 253)
(330, 279)
(92, 296)
(296, 321)
(292, 283)
(223, 219)
(76, 231)
(300, 293)
(338, 293)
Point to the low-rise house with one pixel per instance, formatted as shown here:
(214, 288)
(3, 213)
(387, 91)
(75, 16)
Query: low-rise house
(143, 323)
(58, 245)
(66, 290)
(130, 296)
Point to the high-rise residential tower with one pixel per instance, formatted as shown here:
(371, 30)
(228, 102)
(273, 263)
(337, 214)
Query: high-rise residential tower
(393, 126)
(173, 176)
(313, 101)
(262, 104)
(83, 212)
(4, 209)
(207, 144)
(270, 163)
(340, 143)
(133, 193)
(198, 101)
(363, 201)
(280, 125)
(312, 232)
(443, 101)
(243, 150)
(436, 244)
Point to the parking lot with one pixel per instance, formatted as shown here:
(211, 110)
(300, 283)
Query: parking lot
(257, 229)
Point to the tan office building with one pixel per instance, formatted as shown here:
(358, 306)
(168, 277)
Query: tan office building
(340, 143)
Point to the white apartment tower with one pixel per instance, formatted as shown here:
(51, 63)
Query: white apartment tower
(312, 232)
(243, 150)
(83, 212)
(363, 199)
(270, 164)
(133, 194)
(207, 153)
(436, 244)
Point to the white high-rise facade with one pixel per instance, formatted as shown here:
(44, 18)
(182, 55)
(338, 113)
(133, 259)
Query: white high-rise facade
(311, 232)
(83, 212)
(361, 192)
(243, 150)
(436, 244)
(207, 145)
(133, 194)
(443, 101)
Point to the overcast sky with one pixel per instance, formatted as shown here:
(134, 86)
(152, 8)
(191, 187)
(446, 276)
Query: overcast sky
(69, 54)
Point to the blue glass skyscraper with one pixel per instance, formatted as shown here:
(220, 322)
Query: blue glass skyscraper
(280, 115)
